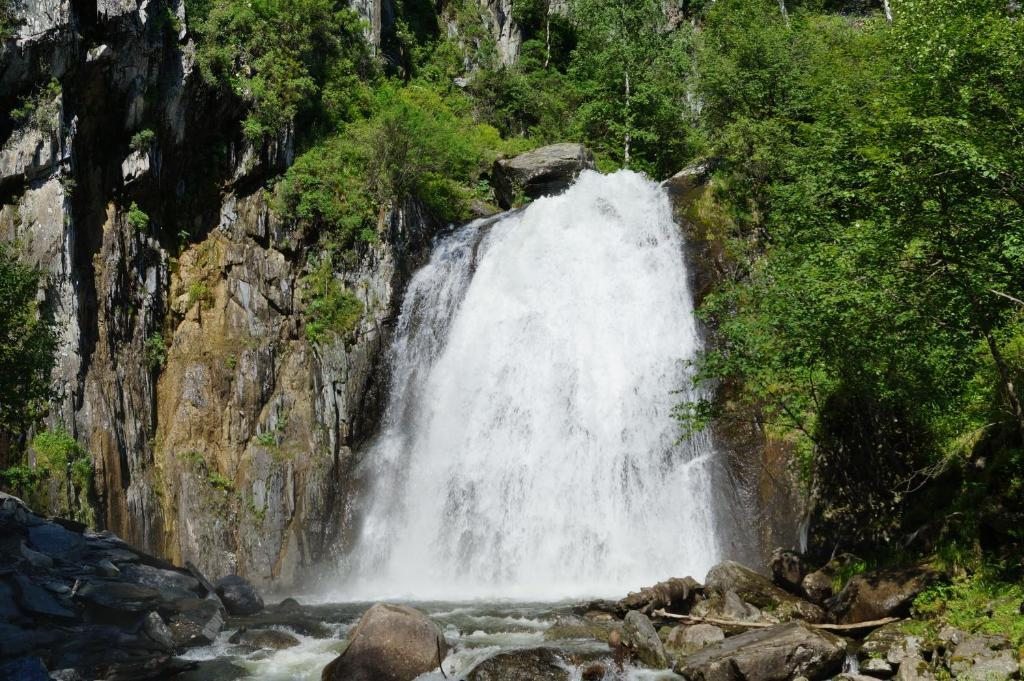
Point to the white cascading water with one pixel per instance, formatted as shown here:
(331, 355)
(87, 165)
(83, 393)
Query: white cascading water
(528, 449)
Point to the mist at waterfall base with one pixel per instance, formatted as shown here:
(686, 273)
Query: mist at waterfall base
(528, 450)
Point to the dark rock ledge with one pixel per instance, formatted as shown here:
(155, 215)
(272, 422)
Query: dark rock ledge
(82, 604)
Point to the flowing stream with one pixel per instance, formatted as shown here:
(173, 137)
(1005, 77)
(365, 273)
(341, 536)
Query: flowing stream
(528, 449)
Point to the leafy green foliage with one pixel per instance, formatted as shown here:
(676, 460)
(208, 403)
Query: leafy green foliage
(413, 145)
(40, 108)
(219, 481)
(27, 345)
(59, 458)
(331, 310)
(876, 220)
(142, 140)
(154, 350)
(283, 57)
(977, 604)
(137, 217)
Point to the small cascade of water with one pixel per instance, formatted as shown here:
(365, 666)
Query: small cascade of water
(528, 449)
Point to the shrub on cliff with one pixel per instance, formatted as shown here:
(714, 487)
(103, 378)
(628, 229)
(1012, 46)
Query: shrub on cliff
(26, 347)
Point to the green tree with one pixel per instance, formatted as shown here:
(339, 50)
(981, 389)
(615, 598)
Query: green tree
(27, 345)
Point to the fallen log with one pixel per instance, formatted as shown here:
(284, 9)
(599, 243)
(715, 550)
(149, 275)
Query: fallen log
(694, 619)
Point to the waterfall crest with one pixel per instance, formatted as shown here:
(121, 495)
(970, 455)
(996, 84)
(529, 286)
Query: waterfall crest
(528, 450)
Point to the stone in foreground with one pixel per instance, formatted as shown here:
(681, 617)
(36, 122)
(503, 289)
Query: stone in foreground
(535, 664)
(541, 172)
(777, 653)
(239, 596)
(641, 638)
(390, 643)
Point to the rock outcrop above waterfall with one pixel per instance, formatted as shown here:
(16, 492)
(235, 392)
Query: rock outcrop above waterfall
(89, 602)
(390, 643)
(541, 172)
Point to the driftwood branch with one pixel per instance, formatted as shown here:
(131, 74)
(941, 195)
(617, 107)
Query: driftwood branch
(693, 619)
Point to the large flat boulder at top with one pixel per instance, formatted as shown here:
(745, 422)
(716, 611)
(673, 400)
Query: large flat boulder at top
(777, 653)
(759, 591)
(875, 595)
(390, 643)
(532, 664)
(541, 172)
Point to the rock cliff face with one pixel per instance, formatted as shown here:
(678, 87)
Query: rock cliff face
(219, 434)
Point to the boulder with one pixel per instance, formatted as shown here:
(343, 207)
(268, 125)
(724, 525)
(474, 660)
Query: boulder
(24, 669)
(776, 653)
(120, 596)
(238, 595)
(676, 595)
(817, 586)
(760, 592)
(194, 621)
(729, 606)
(891, 643)
(639, 635)
(574, 627)
(686, 640)
(788, 569)
(541, 172)
(877, 667)
(914, 669)
(272, 639)
(532, 664)
(876, 595)
(978, 657)
(171, 585)
(390, 643)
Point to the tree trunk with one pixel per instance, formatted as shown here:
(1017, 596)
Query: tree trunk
(547, 36)
(1007, 378)
(782, 8)
(629, 138)
(888, 10)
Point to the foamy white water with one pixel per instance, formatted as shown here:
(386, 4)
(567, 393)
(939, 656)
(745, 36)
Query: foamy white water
(528, 449)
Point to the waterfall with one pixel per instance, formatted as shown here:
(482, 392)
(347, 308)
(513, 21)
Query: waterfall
(528, 449)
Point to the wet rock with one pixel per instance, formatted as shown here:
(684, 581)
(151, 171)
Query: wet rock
(37, 600)
(776, 653)
(158, 631)
(194, 621)
(675, 595)
(573, 627)
(534, 664)
(171, 585)
(541, 172)
(390, 643)
(120, 596)
(760, 592)
(685, 640)
(107, 569)
(56, 542)
(273, 639)
(220, 669)
(39, 561)
(639, 635)
(788, 569)
(239, 596)
(594, 672)
(876, 595)
(24, 669)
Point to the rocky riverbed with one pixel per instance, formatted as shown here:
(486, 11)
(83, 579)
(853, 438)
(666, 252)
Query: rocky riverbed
(76, 604)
